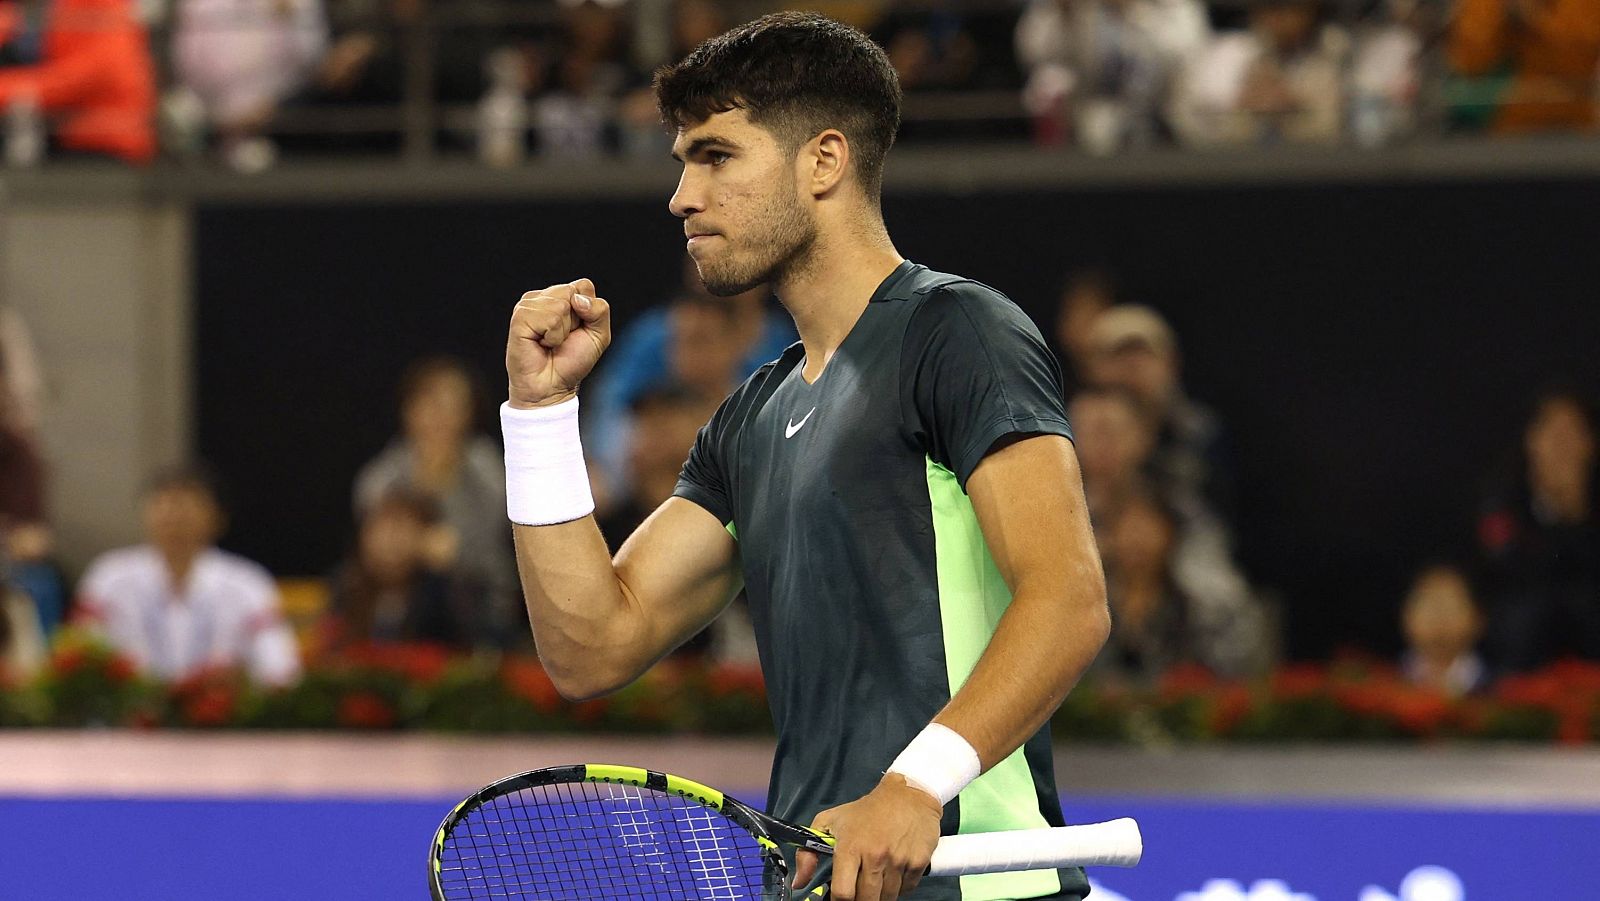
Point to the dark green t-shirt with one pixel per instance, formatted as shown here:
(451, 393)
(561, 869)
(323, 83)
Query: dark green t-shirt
(871, 588)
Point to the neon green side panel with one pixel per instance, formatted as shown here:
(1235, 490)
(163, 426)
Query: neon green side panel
(598, 772)
(690, 789)
(972, 596)
(732, 530)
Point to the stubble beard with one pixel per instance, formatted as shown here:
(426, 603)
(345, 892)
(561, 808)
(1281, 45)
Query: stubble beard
(785, 244)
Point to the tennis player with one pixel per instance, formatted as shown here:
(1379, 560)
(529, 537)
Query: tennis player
(897, 493)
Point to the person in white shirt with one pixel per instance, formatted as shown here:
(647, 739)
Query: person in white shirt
(178, 604)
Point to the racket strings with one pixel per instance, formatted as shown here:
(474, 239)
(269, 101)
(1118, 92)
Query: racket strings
(586, 841)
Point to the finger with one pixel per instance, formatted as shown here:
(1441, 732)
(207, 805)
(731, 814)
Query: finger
(555, 331)
(562, 293)
(583, 286)
(891, 884)
(805, 866)
(869, 882)
(539, 321)
(590, 310)
(843, 885)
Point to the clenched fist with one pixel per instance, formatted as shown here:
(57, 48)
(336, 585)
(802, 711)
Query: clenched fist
(557, 335)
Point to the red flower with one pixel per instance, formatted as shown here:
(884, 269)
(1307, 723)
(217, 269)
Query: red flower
(1299, 682)
(365, 710)
(121, 670)
(1497, 530)
(418, 662)
(1533, 689)
(68, 660)
(1232, 706)
(1419, 711)
(723, 681)
(211, 705)
(1187, 680)
(527, 680)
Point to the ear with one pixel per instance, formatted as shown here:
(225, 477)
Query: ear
(824, 161)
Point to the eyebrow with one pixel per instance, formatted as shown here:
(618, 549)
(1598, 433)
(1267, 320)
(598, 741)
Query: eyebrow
(700, 144)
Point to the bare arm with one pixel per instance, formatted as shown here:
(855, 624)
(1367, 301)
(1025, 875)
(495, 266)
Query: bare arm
(599, 623)
(1029, 501)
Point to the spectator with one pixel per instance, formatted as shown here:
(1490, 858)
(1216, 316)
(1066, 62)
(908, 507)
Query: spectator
(664, 422)
(1134, 349)
(1541, 541)
(1281, 80)
(22, 644)
(1114, 441)
(25, 382)
(1539, 60)
(587, 78)
(1084, 297)
(395, 587)
(1102, 69)
(179, 605)
(241, 59)
(1150, 631)
(24, 529)
(1386, 74)
(364, 65)
(1442, 626)
(689, 24)
(440, 456)
(683, 342)
(85, 65)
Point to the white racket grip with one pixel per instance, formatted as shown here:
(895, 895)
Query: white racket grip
(1114, 844)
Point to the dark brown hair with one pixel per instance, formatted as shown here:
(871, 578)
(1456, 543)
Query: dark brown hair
(796, 74)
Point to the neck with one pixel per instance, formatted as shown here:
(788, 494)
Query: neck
(180, 562)
(827, 292)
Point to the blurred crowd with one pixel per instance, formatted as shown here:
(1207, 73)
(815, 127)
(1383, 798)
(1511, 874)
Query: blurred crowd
(431, 559)
(506, 79)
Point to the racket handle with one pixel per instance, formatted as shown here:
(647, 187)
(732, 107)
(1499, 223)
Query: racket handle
(1113, 844)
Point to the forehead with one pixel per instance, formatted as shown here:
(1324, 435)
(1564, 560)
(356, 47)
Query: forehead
(730, 127)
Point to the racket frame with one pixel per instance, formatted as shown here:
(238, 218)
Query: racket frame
(768, 832)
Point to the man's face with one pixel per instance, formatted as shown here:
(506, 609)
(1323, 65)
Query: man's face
(182, 518)
(705, 349)
(1440, 619)
(740, 203)
(1111, 439)
(440, 411)
(1141, 370)
(1561, 448)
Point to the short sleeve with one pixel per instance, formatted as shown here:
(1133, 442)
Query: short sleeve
(976, 369)
(704, 479)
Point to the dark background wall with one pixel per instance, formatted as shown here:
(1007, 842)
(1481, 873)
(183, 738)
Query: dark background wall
(1372, 348)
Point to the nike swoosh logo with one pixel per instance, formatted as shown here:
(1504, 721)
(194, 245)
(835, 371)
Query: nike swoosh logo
(792, 427)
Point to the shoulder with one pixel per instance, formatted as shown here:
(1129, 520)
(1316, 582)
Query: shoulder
(242, 574)
(119, 566)
(951, 304)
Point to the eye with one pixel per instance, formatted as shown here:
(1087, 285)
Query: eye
(717, 157)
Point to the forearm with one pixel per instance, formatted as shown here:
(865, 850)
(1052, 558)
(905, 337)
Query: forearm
(591, 636)
(1042, 646)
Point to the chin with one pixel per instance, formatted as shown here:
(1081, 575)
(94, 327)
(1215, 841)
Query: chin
(722, 283)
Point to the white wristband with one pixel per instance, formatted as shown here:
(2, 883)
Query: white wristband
(546, 480)
(938, 761)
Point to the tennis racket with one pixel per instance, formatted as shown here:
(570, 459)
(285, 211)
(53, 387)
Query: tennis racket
(599, 831)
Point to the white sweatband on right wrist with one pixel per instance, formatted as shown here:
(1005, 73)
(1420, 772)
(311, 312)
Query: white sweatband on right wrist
(938, 761)
(546, 479)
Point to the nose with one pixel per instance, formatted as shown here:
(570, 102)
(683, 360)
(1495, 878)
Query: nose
(688, 199)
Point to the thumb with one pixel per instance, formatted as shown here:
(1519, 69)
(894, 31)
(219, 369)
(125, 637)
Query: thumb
(805, 866)
(590, 309)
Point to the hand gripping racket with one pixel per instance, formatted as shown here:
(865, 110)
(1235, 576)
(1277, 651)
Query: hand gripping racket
(598, 831)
